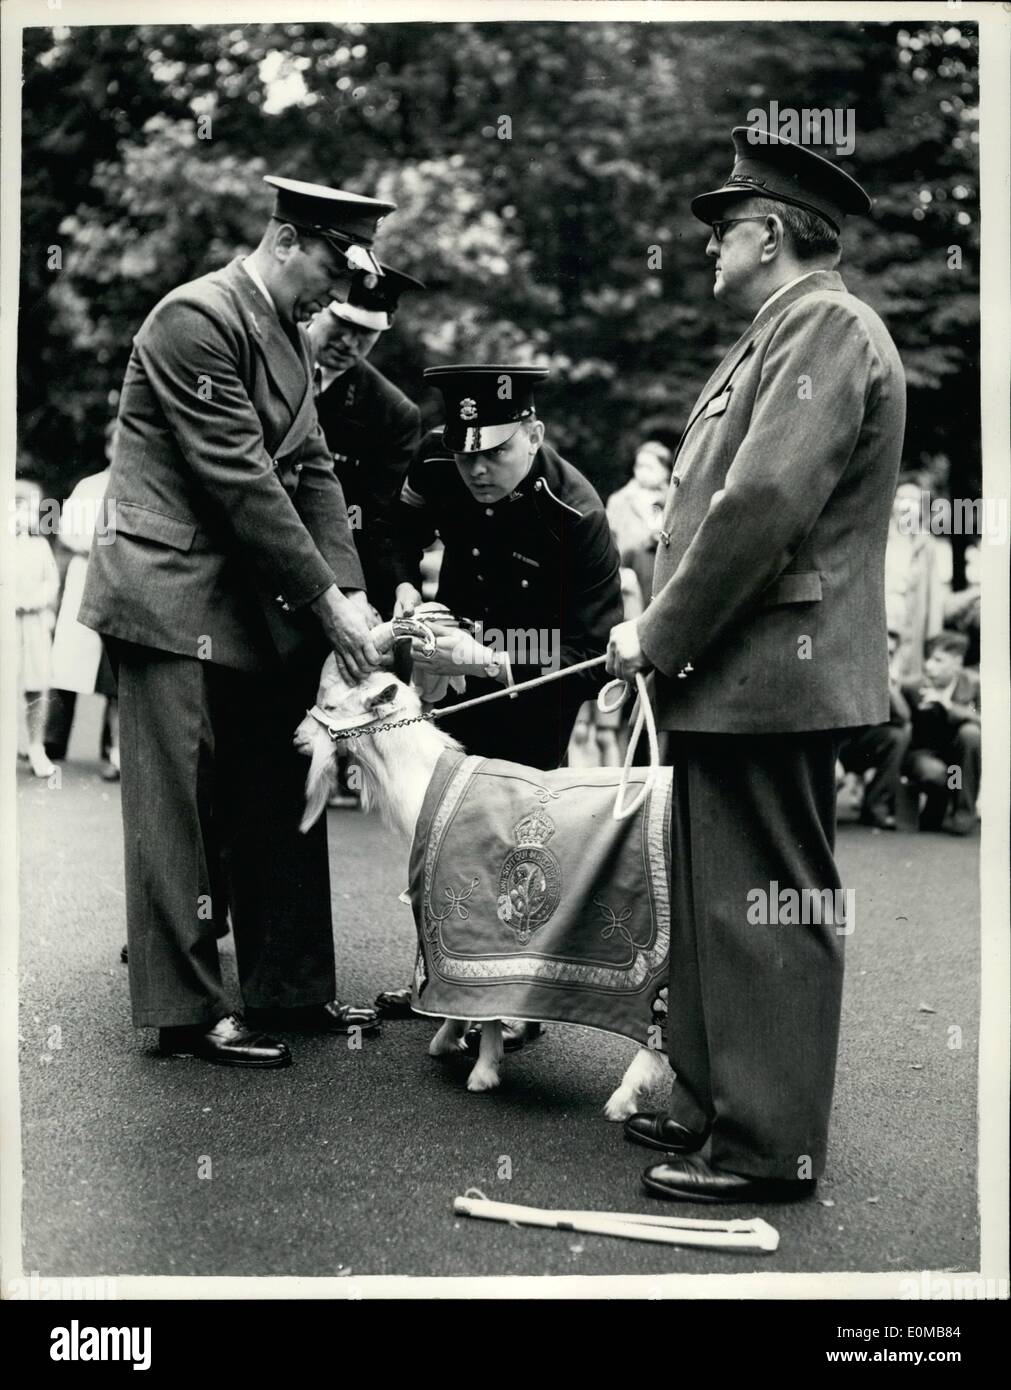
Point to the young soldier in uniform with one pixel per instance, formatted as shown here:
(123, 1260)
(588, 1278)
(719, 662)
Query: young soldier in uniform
(231, 571)
(767, 634)
(527, 555)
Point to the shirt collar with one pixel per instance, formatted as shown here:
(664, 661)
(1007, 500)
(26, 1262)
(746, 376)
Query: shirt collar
(783, 289)
(257, 280)
(521, 492)
(525, 486)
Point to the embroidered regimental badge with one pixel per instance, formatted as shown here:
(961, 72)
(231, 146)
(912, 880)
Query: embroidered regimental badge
(468, 409)
(530, 883)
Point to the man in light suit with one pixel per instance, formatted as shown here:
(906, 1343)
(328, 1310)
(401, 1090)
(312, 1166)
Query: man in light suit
(231, 573)
(766, 635)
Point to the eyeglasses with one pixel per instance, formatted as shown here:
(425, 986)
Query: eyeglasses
(720, 228)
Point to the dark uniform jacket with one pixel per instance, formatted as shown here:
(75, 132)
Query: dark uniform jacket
(769, 578)
(372, 431)
(228, 515)
(539, 565)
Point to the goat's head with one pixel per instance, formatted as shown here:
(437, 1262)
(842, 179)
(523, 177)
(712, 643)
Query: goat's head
(345, 705)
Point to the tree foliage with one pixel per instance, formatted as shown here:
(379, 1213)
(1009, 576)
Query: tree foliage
(543, 173)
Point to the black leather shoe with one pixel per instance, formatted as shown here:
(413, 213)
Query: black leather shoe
(691, 1179)
(124, 954)
(516, 1034)
(230, 1041)
(659, 1131)
(333, 1017)
(395, 1003)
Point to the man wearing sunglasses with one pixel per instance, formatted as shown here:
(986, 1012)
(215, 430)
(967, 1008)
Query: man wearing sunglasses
(229, 572)
(766, 634)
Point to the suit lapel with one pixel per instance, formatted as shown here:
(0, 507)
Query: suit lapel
(290, 372)
(720, 379)
(305, 418)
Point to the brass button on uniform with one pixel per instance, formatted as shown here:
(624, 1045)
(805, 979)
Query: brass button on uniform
(489, 511)
(524, 583)
(475, 551)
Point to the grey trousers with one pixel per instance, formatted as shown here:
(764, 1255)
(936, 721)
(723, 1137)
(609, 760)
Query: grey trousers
(753, 1019)
(212, 793)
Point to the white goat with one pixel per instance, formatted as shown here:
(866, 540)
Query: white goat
(397, 767)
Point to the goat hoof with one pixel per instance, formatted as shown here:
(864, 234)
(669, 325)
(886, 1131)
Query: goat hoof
(620, 1105)
(482, 1080)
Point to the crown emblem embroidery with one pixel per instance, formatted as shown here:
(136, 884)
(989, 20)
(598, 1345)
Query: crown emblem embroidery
(468, 409)
(535, 828)
(530, 881)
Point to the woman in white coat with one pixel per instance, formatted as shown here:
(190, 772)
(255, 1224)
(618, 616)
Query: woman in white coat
(80, 664)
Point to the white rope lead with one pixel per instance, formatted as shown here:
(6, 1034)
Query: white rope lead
(643, 714)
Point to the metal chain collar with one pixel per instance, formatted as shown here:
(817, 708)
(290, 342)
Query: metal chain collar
(336, 734)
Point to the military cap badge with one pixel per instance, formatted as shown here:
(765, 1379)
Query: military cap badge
(468, 409)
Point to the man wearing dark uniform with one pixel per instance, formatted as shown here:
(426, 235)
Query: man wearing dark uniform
(528, 557)
(371, 428)
(230, 573)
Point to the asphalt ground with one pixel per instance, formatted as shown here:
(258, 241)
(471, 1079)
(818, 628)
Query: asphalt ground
(347, 1162)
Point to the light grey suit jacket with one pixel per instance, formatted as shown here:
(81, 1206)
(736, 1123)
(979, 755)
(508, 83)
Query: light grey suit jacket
(769, 577)
(229, 518)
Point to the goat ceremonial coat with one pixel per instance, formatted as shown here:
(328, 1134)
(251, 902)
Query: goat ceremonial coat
(228, 522)
(767, 631)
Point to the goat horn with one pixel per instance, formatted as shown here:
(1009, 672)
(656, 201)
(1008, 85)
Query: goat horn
(385, 634)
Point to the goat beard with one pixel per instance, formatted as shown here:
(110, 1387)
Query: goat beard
(321, 779)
